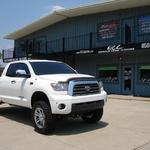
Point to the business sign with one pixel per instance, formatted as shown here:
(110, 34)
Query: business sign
(108, 49)
(85, 52)
(145, 45)
(108, 30)
(144, 24)
(115, 48)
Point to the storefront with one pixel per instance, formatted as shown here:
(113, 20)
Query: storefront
(122, 72)
(131, 78)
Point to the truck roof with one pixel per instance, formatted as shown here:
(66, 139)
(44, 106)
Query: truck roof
(36, 60)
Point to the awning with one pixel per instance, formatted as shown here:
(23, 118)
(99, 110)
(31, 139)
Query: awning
(106, 68)
(145, 67)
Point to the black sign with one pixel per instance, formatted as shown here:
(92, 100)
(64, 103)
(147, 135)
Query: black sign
(115, 48)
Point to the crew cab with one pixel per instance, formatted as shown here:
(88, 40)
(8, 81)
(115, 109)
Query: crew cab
(51, 89)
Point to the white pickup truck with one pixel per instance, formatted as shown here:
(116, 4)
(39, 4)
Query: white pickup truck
(51, 89)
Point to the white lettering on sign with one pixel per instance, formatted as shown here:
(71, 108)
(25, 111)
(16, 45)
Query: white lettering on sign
(145, 45)
(128, 49)
(85, 52)
(114, 48)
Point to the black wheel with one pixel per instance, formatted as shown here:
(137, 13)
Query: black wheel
(42, 117)
(93, 117)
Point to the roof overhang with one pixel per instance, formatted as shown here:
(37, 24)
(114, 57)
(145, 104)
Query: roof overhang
(60, 15)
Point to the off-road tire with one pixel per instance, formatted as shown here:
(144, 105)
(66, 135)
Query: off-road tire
(49, 124)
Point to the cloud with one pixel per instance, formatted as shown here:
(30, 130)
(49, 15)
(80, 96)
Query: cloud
(56, 8)
(51, 9)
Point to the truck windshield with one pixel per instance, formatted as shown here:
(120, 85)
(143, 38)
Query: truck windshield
(45, 68)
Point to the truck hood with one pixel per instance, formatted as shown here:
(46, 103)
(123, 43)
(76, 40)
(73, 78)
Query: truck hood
(63, 77)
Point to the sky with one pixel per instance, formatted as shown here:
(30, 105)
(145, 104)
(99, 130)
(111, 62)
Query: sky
(15, 14)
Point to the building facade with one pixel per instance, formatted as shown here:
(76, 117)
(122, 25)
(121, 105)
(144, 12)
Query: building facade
(113, 45)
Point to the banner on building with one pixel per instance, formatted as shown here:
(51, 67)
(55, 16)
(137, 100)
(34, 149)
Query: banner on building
(108, 30)
(144, 24)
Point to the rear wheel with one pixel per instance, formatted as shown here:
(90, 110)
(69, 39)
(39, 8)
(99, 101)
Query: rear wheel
(42, 117)
(94, 116)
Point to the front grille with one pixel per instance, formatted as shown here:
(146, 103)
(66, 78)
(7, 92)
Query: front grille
(86, 89)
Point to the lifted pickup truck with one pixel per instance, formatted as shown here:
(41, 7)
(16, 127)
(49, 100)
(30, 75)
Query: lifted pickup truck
(51, 89)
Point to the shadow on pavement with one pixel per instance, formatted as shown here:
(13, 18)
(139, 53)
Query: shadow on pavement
(63, 127)
(18, 114)
(77, 126)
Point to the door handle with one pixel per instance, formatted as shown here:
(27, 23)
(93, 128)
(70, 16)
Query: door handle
(13, 82)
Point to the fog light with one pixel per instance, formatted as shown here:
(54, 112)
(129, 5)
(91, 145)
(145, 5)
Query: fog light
(61, 106)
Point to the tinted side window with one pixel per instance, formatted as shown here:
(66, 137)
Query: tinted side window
(11, 72)
(22, 66)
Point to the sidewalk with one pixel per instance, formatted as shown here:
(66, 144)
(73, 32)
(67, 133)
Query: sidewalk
(128, 97)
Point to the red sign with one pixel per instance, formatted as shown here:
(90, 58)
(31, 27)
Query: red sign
(108, 30)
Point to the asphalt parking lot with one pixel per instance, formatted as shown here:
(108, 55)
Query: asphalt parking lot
(124, 126)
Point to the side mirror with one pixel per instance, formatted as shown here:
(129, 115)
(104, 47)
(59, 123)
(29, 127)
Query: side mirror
(22, 73)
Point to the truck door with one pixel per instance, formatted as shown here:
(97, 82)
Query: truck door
(16, 86)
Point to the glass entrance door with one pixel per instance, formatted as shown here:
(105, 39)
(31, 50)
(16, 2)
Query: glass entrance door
(128, 80)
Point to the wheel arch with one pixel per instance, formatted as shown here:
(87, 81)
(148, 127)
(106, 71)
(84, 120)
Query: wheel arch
(39, 96)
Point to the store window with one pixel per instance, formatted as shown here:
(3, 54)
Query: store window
(30, 46)
(41, 45)
(127, 34)
(23, 46)
(108, 74)
(144, 72)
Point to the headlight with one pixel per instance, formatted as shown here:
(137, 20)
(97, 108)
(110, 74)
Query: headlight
(101, 85)
(60, 86)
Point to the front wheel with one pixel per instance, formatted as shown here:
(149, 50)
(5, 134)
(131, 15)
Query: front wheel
(42, 117)
(94, 116)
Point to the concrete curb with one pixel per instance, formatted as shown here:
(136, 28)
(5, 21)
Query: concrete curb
(129, 98)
